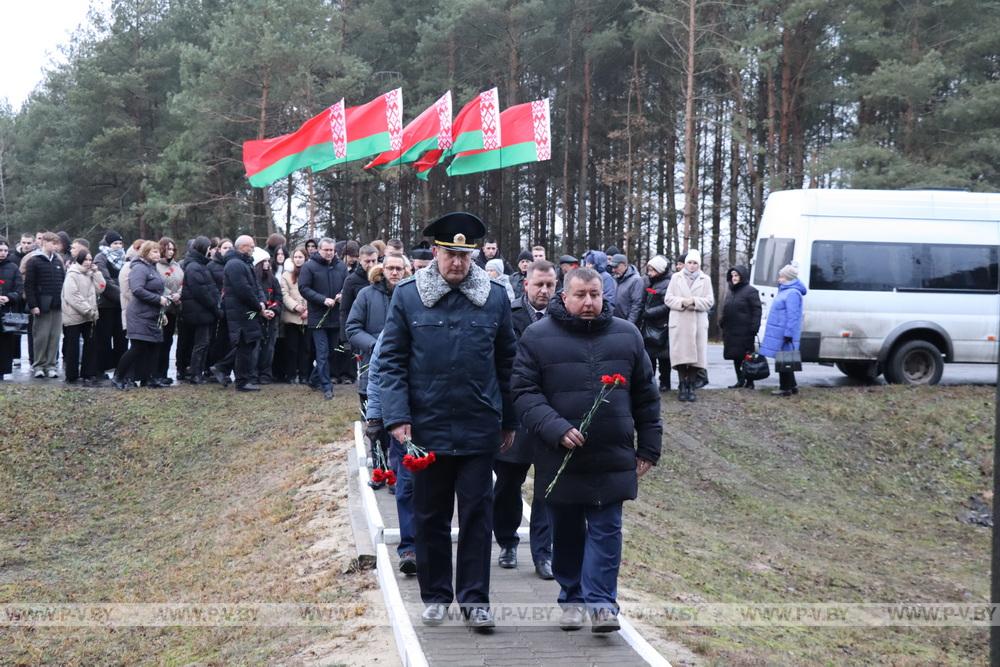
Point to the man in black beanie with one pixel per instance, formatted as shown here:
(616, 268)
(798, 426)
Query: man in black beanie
(524, 260)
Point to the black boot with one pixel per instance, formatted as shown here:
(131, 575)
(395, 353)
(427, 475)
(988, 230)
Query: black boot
(682, 390)
(748, 385)
(691, 397)
(740, 383)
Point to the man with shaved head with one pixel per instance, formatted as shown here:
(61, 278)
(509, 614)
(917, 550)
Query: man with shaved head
(243, 302)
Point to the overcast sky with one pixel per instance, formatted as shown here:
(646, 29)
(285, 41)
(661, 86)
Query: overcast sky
(31, 32)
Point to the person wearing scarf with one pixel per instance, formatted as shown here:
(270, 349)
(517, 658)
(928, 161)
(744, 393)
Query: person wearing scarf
(109, 334)
(689, 297)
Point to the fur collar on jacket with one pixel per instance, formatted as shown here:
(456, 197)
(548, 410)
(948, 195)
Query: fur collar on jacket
(431, 285)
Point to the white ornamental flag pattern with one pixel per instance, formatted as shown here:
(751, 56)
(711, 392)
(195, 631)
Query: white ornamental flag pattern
(394, 118)
(338, 130)
(443, 106)
(489, 113)
(543, 132)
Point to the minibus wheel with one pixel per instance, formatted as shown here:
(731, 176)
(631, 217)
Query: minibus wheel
(915, 362)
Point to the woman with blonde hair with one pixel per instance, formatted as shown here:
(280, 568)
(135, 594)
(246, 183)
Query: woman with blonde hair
(143, 319)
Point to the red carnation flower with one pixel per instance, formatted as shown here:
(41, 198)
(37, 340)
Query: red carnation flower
(3, 282)
(607, 379)
(390, 477)
(650, 290)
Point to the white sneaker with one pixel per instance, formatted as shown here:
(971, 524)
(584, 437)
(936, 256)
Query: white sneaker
(39, 373)
(52, 373)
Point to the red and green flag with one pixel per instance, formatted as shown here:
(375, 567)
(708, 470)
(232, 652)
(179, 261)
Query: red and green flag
(335, 136)
(525, 136)
(431, 130)
(477, 126)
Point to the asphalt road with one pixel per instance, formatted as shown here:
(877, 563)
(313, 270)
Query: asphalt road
(720, 373)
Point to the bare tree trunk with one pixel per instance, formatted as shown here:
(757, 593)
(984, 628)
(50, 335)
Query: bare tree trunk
(584, 184)
(690, 139)
(716, 218)
(312, 203)
(734, 196)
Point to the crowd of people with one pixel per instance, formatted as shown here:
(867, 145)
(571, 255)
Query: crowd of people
(279, 314)
(471, 368)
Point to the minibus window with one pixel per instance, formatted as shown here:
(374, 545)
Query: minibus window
(772, 254)
(961, 267)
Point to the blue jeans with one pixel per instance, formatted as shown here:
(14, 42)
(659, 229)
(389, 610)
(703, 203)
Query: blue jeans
(324, 342)
(404, 496)
(587, 553)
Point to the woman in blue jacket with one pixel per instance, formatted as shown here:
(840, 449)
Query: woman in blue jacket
(784, 324)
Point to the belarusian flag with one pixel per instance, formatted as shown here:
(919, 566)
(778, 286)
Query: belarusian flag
(431, 130)
(477, 126)
(527, 137)
(334, 136)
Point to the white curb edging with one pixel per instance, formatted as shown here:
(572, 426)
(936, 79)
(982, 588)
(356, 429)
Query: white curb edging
(410, 652)
(639, 644)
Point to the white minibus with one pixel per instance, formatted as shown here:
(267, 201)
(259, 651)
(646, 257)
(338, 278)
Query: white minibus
(900, 282)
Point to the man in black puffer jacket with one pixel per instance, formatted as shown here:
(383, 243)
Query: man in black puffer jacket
(557, 376)
(321, 283)
(243, 303)
(199, 306)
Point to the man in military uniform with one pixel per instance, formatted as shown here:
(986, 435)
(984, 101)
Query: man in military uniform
(447, 352)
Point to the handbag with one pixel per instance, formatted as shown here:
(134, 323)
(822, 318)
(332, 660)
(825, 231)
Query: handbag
(14, 323)
(755, 367)
(787, 361)
(655, 337)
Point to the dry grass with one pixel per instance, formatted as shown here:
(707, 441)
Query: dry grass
(845, 495)
(182, 495)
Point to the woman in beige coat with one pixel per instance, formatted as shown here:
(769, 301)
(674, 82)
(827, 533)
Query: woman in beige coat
(689, 297)
(294, 315)
(84, 282)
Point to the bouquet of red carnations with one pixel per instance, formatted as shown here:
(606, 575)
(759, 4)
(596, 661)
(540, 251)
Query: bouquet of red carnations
(608, 384)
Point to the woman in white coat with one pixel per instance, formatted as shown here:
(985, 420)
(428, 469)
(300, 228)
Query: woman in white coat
(689, 297)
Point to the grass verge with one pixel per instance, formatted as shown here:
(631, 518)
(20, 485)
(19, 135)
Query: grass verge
(190, 494)
(836, 495)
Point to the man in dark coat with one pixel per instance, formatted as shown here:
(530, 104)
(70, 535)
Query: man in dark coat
(511, 467)
(446, 355)
(491, 250)
(199, 306)
(357, 280)
(558, 374)
(518, 277)
(739, 322)
(243, 303)
(321, 284)
(631, 292)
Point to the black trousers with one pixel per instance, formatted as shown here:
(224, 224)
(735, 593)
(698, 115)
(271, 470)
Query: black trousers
(786, 380)
(298, 357)
(185, 346)
(664, 364)
(241, 359)
(434, 492)
(201, 338)
(139, 362)
(163, 358)
(110, 338)
(75, 365)
(265, 351)
(507, 510)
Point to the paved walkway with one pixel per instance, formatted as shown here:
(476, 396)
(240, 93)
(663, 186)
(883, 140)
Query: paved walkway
(514, 595)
